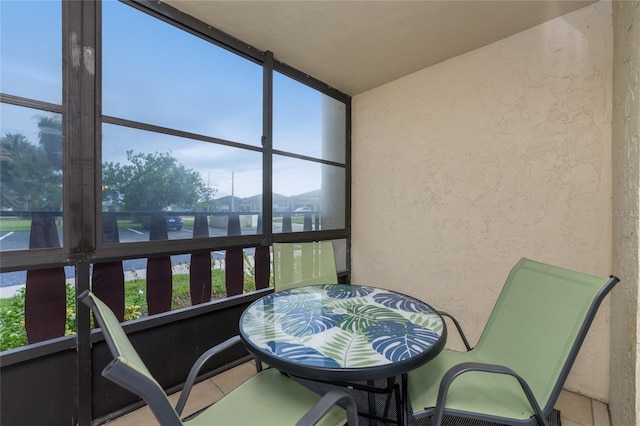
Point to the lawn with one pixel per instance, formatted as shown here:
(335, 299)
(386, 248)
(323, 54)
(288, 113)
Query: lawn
(14, 224)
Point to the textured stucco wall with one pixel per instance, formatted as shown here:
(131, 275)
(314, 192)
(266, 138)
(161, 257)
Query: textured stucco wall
(462, 168)
(625, 363)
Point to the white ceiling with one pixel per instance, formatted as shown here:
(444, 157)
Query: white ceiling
(355, 46)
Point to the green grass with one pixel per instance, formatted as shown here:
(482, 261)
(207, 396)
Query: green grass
(12, 224)
(135, 300)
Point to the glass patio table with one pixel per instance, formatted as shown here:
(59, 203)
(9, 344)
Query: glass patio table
(341, 333)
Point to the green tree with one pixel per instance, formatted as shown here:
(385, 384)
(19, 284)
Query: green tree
(152, 182)
(28, 179)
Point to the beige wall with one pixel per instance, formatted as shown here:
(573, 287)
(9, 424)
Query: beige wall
(625, 364)
(462, 168)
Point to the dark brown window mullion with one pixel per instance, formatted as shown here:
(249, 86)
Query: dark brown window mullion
(81, 70)
(262, 254)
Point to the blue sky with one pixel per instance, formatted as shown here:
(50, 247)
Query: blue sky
(157, 74)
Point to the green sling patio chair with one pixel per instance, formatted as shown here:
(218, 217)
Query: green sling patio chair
(267, 398)
(523, 357)
(299, 264)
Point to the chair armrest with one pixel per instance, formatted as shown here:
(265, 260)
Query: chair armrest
(465, 367)
(195, 369)
(321, 408)
(457, 324)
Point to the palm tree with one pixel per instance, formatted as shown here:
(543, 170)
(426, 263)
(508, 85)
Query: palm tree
(50, 135)
(13, 148)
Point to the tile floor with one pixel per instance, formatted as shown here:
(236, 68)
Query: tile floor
(575, 410)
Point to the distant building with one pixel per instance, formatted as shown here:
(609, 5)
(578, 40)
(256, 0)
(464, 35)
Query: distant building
(310, 200)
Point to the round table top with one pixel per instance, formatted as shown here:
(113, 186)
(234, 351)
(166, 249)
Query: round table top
(342, 332)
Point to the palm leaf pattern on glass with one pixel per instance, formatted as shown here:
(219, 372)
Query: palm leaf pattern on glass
(397, 341)
(299, 323)
(338, 325)
(262, 328)
(284, 302)
(343, 291)
(350, 350)
(358, 318)
(343, 305)
(394, 301)
(429, 320)
(301, 354)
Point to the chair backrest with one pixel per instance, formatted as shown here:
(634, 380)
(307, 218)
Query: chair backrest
(539, 323)
(127, 368)
(299, 264)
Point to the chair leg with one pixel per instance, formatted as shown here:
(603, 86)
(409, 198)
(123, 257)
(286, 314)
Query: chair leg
(404, 409)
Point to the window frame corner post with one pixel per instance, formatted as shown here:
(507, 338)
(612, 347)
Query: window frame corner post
(267, 149)
(81, 100)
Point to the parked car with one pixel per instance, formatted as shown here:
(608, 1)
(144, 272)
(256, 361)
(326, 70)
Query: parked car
(173, 222)
(301, 210)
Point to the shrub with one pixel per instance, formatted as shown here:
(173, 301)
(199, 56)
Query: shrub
(12, 327)
(12, 332)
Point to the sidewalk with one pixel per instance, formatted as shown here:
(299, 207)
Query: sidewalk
(6, 292)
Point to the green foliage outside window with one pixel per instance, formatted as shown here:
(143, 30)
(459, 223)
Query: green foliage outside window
(27, 178)
(152, 182)
(13, 334)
